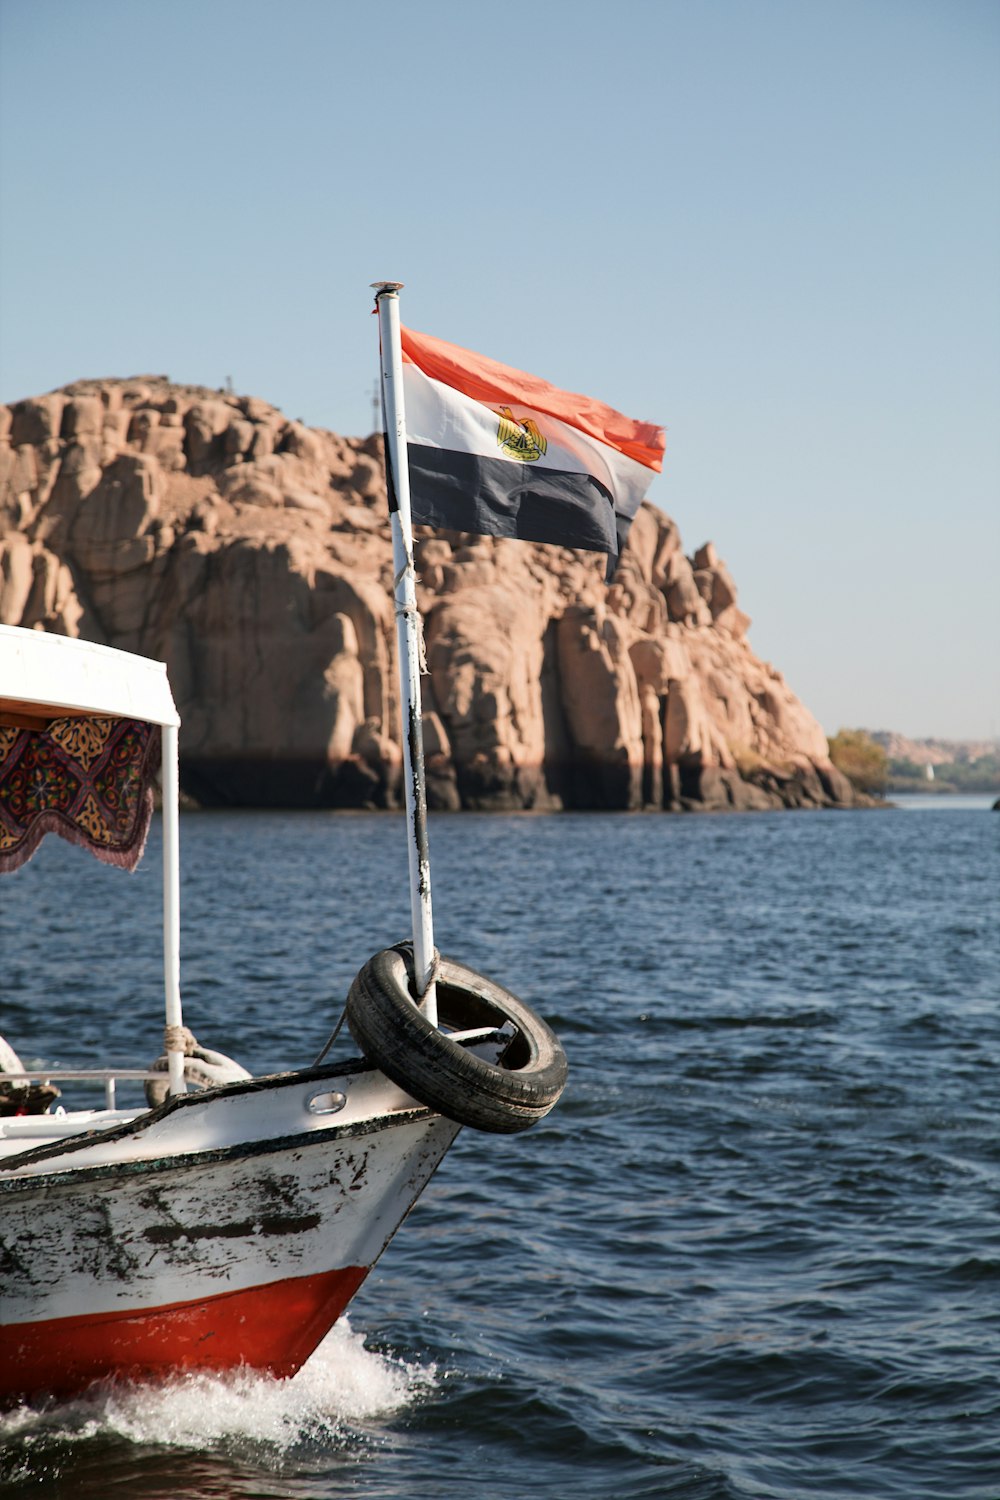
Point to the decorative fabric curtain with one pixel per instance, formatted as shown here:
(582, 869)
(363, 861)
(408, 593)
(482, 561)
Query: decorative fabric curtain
(88, 779)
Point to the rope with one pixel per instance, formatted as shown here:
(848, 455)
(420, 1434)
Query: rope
(431, 979)
(333, 1036)
(435, 964)
(177, 1039)
(404, 610)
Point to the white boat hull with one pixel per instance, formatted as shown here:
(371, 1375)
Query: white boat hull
(229, 1228)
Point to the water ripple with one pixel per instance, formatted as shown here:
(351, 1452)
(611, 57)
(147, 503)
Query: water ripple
(753, 1254)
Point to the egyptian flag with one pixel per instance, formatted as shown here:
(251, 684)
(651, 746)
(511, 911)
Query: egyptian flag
(495, 451)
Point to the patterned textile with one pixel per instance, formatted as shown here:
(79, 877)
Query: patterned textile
(87, 779)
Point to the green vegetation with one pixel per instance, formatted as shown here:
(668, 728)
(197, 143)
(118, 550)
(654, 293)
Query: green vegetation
(864, 763)
(982, 775)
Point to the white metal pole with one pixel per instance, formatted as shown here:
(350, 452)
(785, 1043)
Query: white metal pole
(172, 910)
(408, 642)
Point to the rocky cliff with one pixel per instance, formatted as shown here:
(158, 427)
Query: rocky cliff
(252, 555)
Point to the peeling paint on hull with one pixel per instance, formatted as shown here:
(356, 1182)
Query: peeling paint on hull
(227, 1229)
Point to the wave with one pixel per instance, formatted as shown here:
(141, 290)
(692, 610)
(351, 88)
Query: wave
(341, 1388)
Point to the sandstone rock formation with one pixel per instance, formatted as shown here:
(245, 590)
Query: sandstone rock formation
(252, 555)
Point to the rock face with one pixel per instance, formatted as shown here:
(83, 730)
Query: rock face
(252, 555)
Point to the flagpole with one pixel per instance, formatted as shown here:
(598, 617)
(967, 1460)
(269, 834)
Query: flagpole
(407, 640)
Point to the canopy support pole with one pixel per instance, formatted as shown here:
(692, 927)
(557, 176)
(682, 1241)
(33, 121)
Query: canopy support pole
(172, 909)
(408, 642)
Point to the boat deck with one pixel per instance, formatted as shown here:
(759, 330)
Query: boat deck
(21, 1132)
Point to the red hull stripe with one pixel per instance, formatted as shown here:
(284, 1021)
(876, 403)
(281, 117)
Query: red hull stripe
(274, 1327)
(489, 381)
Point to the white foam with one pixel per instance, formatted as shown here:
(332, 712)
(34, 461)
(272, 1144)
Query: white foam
(343, 1384)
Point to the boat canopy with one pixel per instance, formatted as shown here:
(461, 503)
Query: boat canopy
(46, 676)
(80, 730)
(83, 731)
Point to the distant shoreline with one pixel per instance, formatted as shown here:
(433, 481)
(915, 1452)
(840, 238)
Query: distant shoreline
(931, 799)
(941, 789)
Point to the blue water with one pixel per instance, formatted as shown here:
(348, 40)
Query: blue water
(754, 1252)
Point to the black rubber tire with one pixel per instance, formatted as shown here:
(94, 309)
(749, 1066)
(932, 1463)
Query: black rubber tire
(397, 1037)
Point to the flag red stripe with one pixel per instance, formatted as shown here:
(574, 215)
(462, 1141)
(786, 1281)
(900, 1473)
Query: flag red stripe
(487, 380)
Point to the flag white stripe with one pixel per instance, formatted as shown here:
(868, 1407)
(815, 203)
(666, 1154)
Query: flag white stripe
(439, 416)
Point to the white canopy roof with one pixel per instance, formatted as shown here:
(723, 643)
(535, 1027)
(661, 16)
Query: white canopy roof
(55, 673)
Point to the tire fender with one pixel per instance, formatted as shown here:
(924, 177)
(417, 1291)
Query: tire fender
(396, 1036)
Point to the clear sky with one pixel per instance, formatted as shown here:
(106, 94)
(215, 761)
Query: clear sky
(771, 225)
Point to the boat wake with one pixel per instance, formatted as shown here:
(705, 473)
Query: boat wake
(336, 1394)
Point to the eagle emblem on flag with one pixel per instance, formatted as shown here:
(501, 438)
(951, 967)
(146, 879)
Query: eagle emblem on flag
(520, 440)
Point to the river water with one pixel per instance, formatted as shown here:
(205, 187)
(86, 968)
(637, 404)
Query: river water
(755, 1250)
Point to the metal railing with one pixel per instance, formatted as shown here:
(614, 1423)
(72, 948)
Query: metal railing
(108, 1076)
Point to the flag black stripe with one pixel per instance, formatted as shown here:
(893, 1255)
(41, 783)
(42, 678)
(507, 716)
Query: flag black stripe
(466, 492)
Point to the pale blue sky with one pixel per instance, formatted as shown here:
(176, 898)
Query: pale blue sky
(771, 225)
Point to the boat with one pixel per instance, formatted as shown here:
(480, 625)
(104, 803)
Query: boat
(227, 1220)
(223, 1220)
